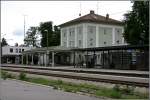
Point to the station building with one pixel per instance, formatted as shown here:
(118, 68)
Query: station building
(12, 54)
(88, 31)
(92, 30)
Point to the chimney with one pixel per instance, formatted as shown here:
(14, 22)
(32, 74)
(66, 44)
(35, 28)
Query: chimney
(79, 14)
(107, 16)
(91, 11)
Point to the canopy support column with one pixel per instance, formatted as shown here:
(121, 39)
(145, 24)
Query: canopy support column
(53, 59)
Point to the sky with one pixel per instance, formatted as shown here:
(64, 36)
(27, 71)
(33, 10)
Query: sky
(34, 12)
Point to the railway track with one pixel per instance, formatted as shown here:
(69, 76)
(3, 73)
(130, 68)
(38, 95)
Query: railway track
(114, 79)
(77, 70)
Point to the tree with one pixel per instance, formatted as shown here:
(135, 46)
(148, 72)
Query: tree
(47, 32)
(4, 42)
(31, 38)
(137, 24)
(56, 36)
(16, 44)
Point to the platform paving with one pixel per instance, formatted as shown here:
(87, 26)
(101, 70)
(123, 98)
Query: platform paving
(17, 90)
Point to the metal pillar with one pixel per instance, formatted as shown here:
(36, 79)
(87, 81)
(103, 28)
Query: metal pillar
(122, 58)
(109, 59)
(94, 58)
(32, 60)
(43, 59)
(103, 59)
(26, 59)
(74, 59)
(47, 58)
(22, 59)
(7, 60)
(39, 57)
(53, 58)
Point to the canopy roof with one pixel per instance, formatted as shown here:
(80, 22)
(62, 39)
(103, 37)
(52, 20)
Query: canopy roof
(67, 49)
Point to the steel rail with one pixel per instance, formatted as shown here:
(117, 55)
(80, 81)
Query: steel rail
(37, 72)
(84, 71)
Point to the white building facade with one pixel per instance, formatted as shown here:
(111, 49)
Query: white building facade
(90, 31)
(12, 54)
(92, 34)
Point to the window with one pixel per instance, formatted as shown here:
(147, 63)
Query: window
(64, 43)
(64, 34)
(91, 30)
(105, 31)
(16, 50)
(91, 44)
(91, 39)
(80, 43)
(104, 42)
(70, 33)
(19, 50)
(22, 49)
(80, 31)
(11, 50)
(118, 41)
(71, 43)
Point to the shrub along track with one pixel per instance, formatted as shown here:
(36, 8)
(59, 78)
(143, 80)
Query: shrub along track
(133, 81)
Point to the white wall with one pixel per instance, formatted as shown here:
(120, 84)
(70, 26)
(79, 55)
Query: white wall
(6, 50)
(97, 38)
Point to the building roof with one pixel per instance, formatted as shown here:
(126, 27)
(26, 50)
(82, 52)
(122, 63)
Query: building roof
(95, 18)
(50, 49)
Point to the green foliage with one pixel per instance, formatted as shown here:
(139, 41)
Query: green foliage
(116, 87)
(137, 23)
(128, 89)
(50, 35)
(22, 76)
(4, 74)
(32, 36)
(4, 42)
(108, 93)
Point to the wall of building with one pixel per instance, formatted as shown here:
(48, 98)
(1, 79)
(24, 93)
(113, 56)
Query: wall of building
(88, 35)
(15, 50)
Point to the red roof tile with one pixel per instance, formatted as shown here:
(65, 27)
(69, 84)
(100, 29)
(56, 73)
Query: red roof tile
(95, 18)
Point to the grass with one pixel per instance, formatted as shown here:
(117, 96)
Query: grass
(115, 93)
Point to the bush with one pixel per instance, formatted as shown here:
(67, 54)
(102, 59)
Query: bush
(4, 74)
(116, 87)
(22, 76)
(10, 75)
(128, 89)
(115, 94)
(59, 82)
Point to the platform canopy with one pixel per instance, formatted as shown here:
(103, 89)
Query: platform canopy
(50, 49)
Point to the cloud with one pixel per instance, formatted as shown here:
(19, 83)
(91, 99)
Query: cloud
(18, 32)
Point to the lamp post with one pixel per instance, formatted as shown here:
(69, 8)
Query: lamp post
(47, 47)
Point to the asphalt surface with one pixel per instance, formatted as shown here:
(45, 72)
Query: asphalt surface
(16, 90)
